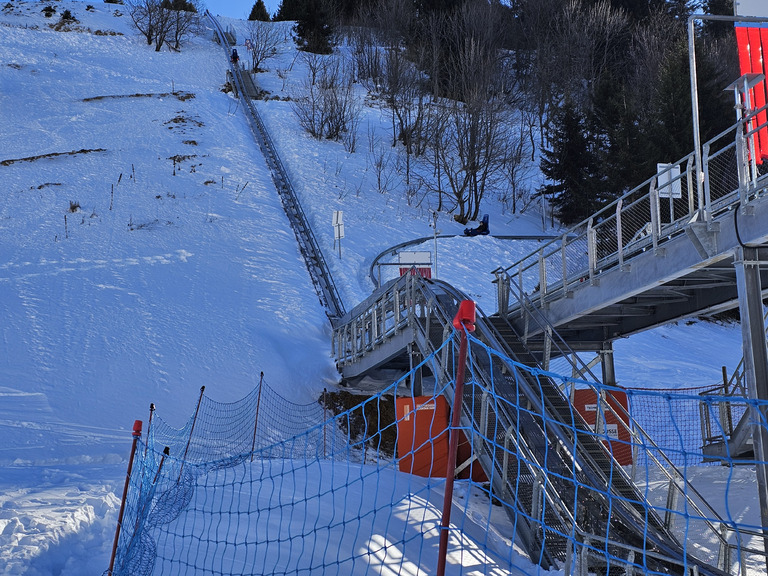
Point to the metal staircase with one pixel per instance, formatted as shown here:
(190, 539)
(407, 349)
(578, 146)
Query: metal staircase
(533, 445)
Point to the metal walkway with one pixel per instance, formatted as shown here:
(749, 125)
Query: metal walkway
(412, 315)
(665, 251)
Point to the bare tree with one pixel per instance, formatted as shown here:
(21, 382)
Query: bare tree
(144, 14)
(164, 21)
(163, 26)
(470, 130)
(183, 19)
(315, 63)
(265, 38)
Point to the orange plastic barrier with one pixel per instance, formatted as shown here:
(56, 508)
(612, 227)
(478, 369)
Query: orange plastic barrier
(585, 401)
(422, 439)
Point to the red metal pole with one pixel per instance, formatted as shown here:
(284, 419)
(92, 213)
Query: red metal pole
(464, 321)
(136, 436)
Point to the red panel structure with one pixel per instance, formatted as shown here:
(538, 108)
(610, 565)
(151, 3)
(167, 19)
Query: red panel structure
(423, 271)
(585, 401)
(752, 44)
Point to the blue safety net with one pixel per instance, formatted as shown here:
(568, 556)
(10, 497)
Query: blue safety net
(554, 475)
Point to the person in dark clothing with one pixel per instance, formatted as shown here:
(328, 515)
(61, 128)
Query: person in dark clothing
(481, 230)
(235, 57)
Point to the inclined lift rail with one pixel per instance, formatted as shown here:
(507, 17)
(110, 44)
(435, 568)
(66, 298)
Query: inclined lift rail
(530, 459)
(316, 265)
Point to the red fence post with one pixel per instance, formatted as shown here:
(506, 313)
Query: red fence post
(136, 436)
(463, 322)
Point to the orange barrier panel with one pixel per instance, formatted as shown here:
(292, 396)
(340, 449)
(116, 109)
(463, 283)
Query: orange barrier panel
(422, 435)
(585, 401)
(422, 439)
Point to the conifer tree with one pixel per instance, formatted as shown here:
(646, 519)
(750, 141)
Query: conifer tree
(314, 30)
(259, 12)
(289, 10)
(570, 164)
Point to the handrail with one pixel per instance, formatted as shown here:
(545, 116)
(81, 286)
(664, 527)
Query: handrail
(641, 218)
(401, 303)
(624, 418)
(392, 250)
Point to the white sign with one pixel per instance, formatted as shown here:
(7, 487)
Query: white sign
(666, 174)
(338, 231)
(757, 8)
(415, 258)
(610, 430)
(338, 217)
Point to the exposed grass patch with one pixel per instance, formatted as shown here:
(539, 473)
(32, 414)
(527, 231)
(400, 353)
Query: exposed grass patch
(183, 96)
(46, 185)
(181, 120)
(179, 158)
(51, 155)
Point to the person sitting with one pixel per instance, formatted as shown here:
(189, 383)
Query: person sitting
(235, 57)
(481, 230)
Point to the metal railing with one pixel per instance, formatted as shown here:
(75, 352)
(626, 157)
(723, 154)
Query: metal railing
(645, 217)
(411, 303)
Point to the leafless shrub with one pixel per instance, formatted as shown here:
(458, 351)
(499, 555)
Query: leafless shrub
(265, 38)
(326, 105)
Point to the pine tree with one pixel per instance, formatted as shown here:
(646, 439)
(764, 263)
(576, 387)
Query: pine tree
(314, 31)
(289, 10)
(722, 8)
(571, 166)
(259, 12)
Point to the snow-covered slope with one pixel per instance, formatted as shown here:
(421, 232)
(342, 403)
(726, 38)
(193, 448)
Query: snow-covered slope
(144, 253)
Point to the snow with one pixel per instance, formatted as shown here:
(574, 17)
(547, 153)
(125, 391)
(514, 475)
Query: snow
(128, 278)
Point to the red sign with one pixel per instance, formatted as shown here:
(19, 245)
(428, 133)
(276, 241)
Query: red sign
(416, 271)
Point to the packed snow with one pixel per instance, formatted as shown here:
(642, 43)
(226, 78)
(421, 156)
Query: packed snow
(144, 253)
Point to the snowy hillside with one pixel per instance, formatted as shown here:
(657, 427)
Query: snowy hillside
(144, 254)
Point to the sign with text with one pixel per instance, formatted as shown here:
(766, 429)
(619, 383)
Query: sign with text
(419, 263)
(618, 440)
(758, 8)
(668, 180)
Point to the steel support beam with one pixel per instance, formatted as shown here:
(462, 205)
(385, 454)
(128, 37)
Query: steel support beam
(606, 360)
(747, 267)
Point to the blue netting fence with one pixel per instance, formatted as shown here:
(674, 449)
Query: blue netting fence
(267, 486)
